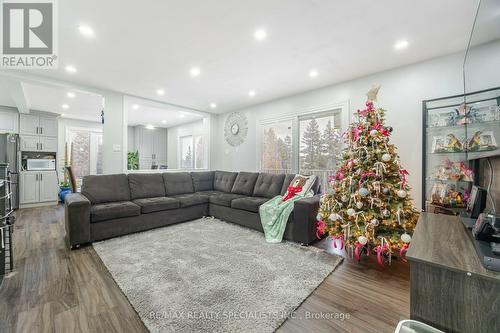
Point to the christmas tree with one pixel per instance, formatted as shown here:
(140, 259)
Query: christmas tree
(368, 209)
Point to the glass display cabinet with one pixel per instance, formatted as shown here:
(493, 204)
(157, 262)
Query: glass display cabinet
(457, 130)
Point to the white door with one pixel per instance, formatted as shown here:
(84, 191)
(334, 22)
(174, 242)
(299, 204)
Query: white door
(29, 124)
(48, 186)
(29, 143)
(48, 144)
(9, 122)
(30, 187)
(48, 126)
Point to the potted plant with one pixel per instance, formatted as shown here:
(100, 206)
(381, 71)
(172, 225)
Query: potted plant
(133, 160)
(64, 189)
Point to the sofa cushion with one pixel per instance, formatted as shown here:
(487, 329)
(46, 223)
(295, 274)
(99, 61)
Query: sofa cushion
(203, 181)
(224, 199)
(244, 183)
(113, 210)
(224, 181)
(250, 204)
(286, 182)
(149, 205)
(268, 185)
(106, 188)
(146, 185)
(192, 199)
(177, 183)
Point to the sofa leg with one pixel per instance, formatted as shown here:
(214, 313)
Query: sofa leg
(304, 244)
(75, 247)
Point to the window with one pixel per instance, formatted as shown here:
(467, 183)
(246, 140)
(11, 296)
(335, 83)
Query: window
(276, 153)
(306, 143)
(84, 151)
(186, 143)
(199, 152)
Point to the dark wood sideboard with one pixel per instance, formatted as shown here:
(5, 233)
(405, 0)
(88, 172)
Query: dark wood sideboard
(450, 289)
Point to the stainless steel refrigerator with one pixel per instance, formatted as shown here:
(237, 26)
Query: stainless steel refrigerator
(9, 148)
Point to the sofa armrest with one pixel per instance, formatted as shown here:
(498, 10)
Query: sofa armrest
(304, 219)
(77, 219)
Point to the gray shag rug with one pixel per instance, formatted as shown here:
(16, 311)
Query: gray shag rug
(212, 276)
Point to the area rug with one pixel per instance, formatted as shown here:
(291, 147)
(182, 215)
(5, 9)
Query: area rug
(212, 276)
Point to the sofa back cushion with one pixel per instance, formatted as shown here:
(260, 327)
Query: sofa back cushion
(146, 185)
(203, 181)
(244, 183)
(268, 185)
(106, 188)
(178, 183)
(290, 176)
(224, 181)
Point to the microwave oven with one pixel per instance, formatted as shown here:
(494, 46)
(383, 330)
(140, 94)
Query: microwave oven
(33, 164)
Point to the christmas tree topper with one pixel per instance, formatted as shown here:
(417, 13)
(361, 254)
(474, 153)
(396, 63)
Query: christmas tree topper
(372, 93)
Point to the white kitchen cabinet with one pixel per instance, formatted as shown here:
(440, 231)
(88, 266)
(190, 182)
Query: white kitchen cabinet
(38, 143)
(151, 145)
(32, 124)
(9, 122)
(28, 124)
(29, 187)
(38, 187)
(29, 143)
(48, 186)
(48, 126)
(48, 144)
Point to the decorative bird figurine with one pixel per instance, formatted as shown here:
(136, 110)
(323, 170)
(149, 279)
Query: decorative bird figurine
(453, 143)
(475, 141)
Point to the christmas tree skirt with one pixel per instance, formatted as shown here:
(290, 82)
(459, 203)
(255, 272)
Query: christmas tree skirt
(211, 276)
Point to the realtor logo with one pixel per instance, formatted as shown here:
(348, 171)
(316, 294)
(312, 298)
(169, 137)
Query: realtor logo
(28, 34)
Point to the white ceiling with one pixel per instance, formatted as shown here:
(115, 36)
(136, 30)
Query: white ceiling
(146, 113)
(84, 106)
(140, 46)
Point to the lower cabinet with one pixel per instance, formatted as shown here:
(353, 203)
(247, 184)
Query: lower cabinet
(38, 186)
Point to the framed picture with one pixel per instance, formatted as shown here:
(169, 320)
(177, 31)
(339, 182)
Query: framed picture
(438, 144)
(447, 144)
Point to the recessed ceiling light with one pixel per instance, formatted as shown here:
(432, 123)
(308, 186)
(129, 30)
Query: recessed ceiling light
(163, 121)
(86, 31)
(313, 73)
(195, 71)
(251, 93)
(213, 105)
(62, 114)
(135, 106)
(65, 106)
(160, 92)
(260, 34)
(401, 44)
(70, 69)
(71, 94)
(150, 127)
(182, 115)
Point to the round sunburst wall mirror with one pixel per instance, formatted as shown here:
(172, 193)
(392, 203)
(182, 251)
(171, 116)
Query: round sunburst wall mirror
(236, 128)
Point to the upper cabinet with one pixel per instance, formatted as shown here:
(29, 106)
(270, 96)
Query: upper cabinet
(9, 121)
(38, 125)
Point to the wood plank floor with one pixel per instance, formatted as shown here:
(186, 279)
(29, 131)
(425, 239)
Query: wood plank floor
(57, 290)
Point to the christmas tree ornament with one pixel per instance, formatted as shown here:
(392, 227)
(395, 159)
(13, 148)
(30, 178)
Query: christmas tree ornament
(351, 212)
(389, 128)
(363, 191)
(374, 222)
(362, 240)
(386, 213)
(401, 193)
(386, 190)
(386, 157)
(318, 217)
(406, 238)
(335, 217)
(344, 198)
(373, 132)
(359, 205)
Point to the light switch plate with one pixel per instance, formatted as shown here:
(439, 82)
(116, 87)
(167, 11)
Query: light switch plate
(117, 148)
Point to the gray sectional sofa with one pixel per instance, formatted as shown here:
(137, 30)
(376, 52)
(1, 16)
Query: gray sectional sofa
(114, 205)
